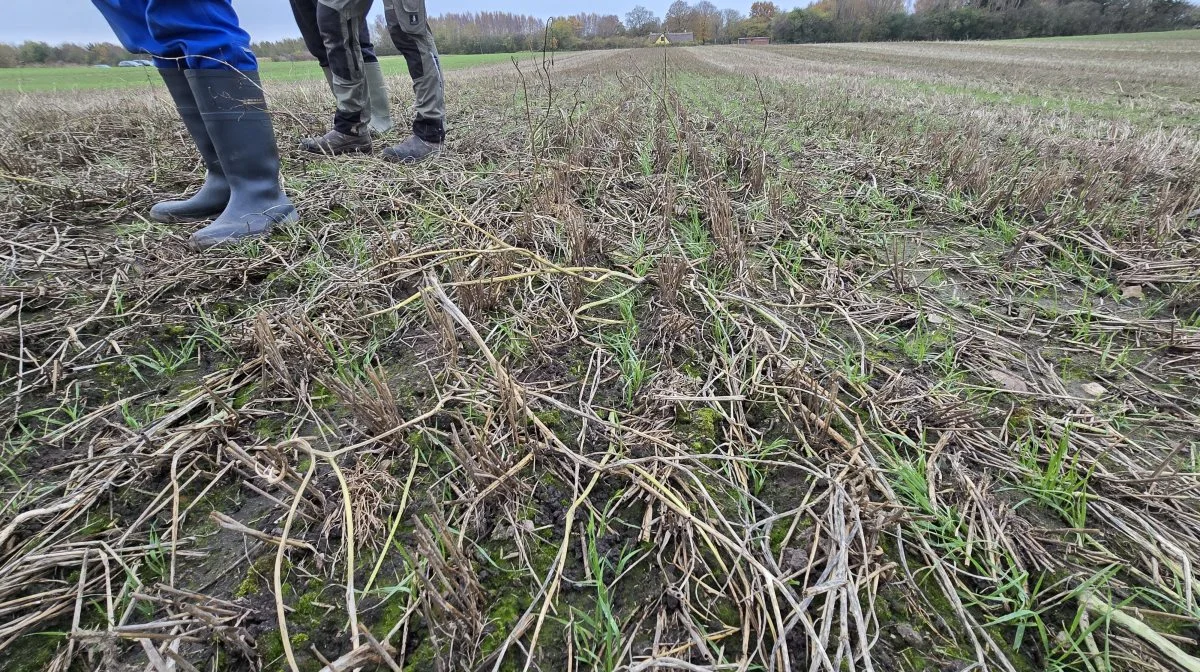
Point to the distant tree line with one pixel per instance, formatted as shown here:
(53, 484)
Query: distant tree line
(822, 21)
(41, 53)
(885, 20)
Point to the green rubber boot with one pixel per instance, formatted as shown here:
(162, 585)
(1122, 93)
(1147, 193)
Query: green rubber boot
(377, 99)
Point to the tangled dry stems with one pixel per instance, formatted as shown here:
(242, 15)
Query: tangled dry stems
(660, 368)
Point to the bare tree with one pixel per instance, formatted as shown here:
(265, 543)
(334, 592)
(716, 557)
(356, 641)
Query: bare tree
(598, 25)
(640, 21)
(763, 10)
(730, 20)
(706, 20)
(679, 16)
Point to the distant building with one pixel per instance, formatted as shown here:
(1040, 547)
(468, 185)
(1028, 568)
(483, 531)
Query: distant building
(664, 39)
(754, 40)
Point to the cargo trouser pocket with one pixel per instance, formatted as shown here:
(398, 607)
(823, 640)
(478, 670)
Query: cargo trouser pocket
(410, 15)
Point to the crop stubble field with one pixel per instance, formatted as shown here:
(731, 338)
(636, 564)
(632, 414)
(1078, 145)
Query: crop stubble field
(854, 357)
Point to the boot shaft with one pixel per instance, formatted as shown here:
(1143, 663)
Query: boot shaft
(213, 196)
(228, 93)
(185, 103)
(379, 106)
(234, 111)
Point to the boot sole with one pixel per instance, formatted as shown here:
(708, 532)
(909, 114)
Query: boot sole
(194, 246)
(178, 219)
(392, 158)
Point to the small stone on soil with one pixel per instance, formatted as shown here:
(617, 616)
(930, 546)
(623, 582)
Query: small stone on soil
(1008, 381)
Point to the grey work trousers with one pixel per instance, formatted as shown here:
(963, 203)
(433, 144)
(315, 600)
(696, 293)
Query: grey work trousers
(336, 34)
(305, 12)
(341, 23)
(408, 25)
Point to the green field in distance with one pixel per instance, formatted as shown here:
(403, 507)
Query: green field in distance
(73, 78)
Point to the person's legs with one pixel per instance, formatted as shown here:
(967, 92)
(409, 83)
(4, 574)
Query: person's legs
(202, 40)
(128, 19)
(341, 23)
(213, 196)
(380, 106)
(205, 32)
(410, 31)
(235, 114)
(305, 13)
(340, 31)
(379, 118)
(364, 37)
(377, 113)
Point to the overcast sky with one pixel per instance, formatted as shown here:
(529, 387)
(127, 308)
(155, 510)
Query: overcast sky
(57, 21)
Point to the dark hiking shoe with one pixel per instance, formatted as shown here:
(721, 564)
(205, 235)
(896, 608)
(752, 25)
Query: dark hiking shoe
(213, 196)
(235, 116)
(412, 150)
(335, 142)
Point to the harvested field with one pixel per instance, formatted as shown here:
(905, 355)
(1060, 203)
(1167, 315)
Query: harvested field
(790, 358)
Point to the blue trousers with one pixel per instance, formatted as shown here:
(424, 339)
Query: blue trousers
(181, 33)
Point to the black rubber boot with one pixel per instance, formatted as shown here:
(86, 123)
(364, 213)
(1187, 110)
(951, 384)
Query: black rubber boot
(212, 198)
(235, 114)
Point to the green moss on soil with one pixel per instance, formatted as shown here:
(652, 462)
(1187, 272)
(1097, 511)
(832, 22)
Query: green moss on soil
(502, 618)
(727, 614)
(551, 418)
(778, 534)
(423, 659)
(698, 427)
(308, 615)
(244, 396)
(114, 379)
(253, 583)
(270, 429)
(704, 422)
(270, 648)
(393, 610)
(30, 653)
(322, 397)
